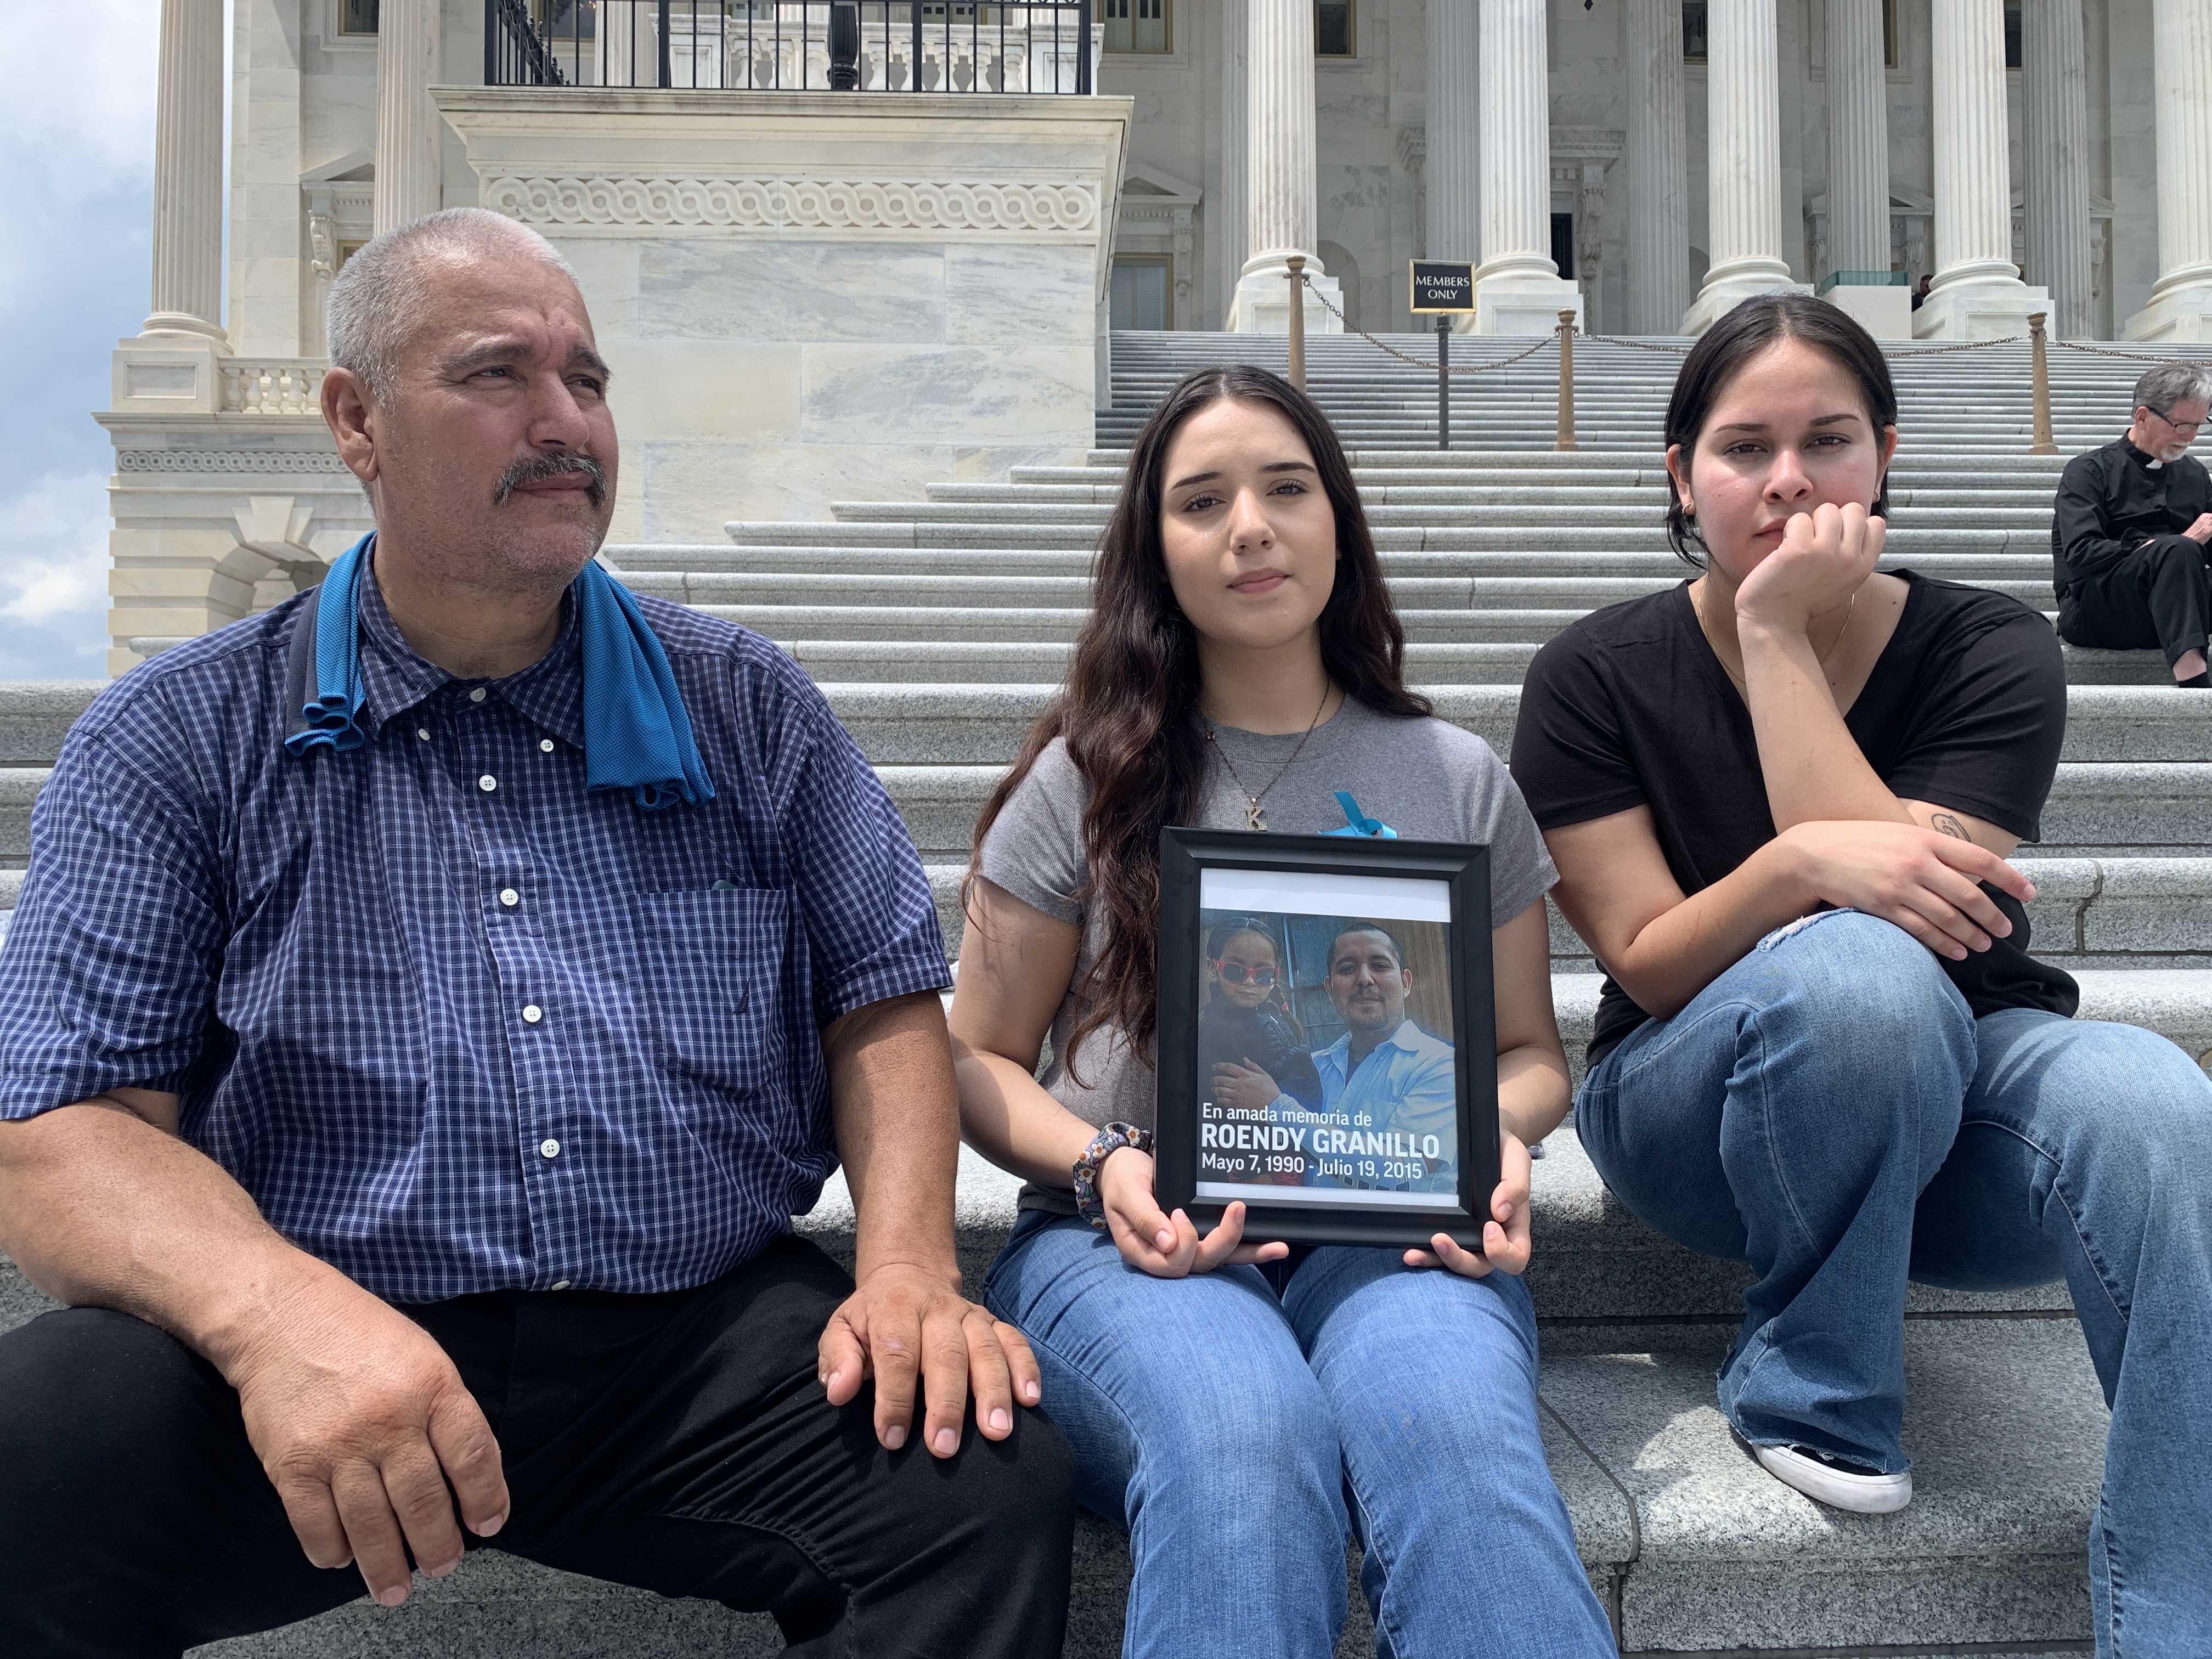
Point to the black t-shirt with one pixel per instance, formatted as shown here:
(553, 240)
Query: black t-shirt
(1966, 707)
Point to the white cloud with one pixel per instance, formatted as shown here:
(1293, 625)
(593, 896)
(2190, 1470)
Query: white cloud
(78, 134)
(53, 574)
(84, 125)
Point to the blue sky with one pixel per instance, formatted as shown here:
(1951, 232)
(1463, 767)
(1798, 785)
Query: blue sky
(78, 152)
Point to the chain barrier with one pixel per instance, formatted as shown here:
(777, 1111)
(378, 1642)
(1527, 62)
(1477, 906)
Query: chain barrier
(2105, 351)
(1640, 345)
(1427, 364)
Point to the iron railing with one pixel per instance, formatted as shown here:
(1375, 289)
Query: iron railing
(792, 46)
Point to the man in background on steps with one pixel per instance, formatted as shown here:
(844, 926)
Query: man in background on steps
(429, 1003)
(2133, 520)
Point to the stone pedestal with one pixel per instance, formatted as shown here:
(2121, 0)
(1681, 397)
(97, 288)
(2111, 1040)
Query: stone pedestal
(407, 126)
(1743, 149)
(2180, 308)
(1517, 288)
(187, 287)
(1280, 181)
(170, 372)
(1658, 181)
(1977, 293)
(1884, 313)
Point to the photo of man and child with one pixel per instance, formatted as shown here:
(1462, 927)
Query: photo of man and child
(1325, 1069)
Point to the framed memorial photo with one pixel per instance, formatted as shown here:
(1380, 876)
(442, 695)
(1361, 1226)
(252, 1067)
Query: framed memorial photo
(1328, 1042)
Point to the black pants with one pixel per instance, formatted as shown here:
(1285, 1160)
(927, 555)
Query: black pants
(2158, 595)
(679, 1443)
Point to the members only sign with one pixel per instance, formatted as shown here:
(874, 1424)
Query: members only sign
(1440, 285)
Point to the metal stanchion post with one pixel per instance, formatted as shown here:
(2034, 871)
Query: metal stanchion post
(1443, 382)
(1297, 264)
(2039, 358)
(1567, 438)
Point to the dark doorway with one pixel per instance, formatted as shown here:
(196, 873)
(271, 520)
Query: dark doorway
(1563, 243)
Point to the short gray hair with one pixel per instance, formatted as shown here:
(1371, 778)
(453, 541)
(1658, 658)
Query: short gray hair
(2165, 385)
(381, 288)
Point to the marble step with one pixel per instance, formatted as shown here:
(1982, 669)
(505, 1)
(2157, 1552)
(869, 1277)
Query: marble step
(2094, 811)
(1511, 502)
(1398, 528)
(1457, 467)
(2111, 913)
(898, 725)
(1690, 1546)
(1386, 508)
(940, 661)
(2118, 727)
(863, 567)
(1911, 455)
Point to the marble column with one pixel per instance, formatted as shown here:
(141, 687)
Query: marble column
(1229, 207)
(407, 125)
(1658, 170)
(628, 55)
(1517, 288)
(187, 291)
(1977, 293)
(1453, 141)
(2180, 308)
(1281, 181)
(1858, 174)
(1743, 161)
(2055, 108)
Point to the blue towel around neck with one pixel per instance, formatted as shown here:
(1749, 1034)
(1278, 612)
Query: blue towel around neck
(636, 734)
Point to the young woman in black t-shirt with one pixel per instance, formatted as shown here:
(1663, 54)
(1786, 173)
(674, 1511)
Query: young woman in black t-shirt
(1780, 797)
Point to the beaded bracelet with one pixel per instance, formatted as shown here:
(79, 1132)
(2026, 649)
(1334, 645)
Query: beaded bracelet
(1109, 1140)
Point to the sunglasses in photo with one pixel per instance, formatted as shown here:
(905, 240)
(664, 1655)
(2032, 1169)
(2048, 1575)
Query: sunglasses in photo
(1236, 972)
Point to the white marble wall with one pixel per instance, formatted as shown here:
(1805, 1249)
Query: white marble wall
(790, 321)
(951, 361)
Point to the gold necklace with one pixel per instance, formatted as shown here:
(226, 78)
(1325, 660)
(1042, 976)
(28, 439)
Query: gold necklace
(1824, 659)
(1254, 818)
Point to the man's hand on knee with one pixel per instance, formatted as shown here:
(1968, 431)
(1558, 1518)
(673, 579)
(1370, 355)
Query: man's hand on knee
(913, 1330)
(361, 1421)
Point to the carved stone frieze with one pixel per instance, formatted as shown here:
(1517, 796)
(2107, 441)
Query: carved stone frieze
(227, 460)
(938, 205)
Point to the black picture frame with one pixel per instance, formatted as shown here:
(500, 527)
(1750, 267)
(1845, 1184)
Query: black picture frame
(1186, 854)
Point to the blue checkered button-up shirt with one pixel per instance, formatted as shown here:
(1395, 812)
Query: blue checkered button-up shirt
(454, 1023)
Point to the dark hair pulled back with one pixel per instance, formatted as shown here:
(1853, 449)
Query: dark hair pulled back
(1133, 683)
(1740, 335)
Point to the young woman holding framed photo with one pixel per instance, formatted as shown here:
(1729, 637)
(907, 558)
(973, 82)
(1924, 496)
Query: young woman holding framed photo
(1222, 1396)
(1780, 797)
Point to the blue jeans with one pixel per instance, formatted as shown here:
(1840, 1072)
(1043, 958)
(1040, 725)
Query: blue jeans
(1830, 1111)
(1227, 1429)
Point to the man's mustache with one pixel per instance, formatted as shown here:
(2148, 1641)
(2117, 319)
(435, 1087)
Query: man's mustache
(537, 469)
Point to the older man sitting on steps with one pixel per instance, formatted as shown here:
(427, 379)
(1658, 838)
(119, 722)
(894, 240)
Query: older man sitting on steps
(2128, 538)
(427, 1005)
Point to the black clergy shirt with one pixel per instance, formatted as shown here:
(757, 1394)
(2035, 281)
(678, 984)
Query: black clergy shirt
(2113, 500)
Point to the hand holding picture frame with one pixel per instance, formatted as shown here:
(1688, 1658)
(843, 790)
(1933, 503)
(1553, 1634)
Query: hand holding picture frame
(1327, 1047)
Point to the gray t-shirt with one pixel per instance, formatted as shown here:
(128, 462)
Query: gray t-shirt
(1427, 779)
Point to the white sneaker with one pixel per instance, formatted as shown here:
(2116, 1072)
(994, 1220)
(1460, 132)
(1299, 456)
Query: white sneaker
(1836, 1482)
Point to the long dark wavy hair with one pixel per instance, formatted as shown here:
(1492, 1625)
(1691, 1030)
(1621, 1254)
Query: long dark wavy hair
(1133, 683)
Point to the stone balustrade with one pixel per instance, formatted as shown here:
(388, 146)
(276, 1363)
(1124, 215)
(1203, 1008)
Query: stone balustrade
(273, 385)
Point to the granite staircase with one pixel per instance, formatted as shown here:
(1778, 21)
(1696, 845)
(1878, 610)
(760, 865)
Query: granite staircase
(940, 628)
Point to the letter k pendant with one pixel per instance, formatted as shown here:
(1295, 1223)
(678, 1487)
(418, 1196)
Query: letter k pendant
(1253, 816)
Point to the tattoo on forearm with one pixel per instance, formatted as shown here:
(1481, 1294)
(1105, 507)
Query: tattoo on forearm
(1944, 823)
